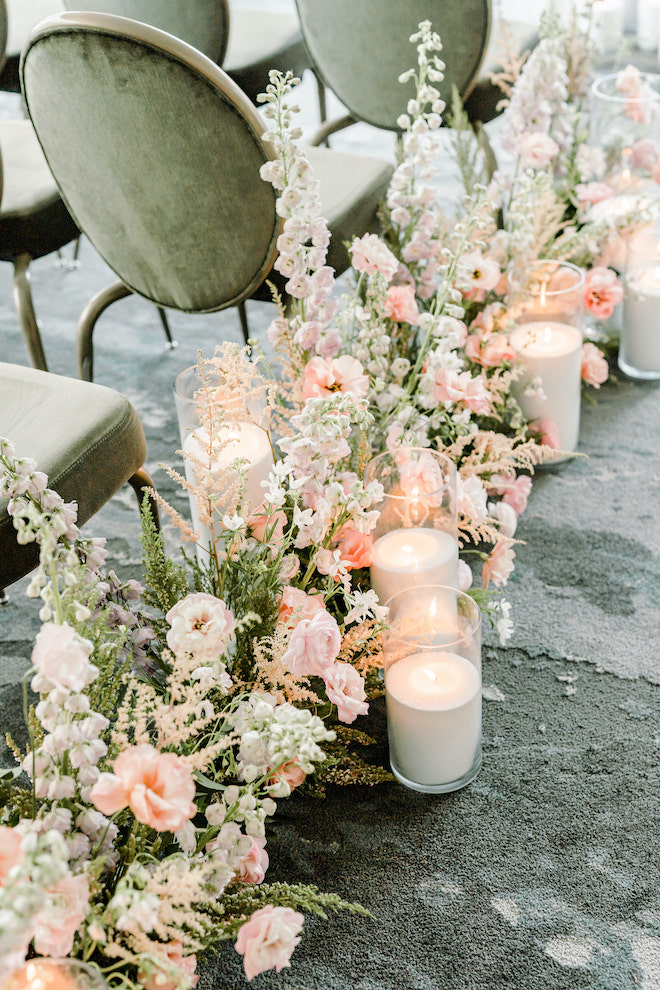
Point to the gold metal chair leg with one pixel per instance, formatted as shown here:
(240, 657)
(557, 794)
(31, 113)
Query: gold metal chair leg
(141, 483)
(87, 322)
(25, 311)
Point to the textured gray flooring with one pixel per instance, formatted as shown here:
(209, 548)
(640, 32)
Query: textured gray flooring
(544, 872)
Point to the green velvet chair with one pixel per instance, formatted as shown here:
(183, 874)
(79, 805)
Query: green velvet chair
(359, 49)
(168, 187)
(85, 437)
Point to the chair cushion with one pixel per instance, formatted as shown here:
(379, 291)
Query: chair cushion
(85, 437)
(515, 36)
(33, 218)
(260, 40)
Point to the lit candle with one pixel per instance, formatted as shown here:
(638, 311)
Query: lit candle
(404, 558)
(434, 719)
(551, 352)
(640, 339)
(40, 974)
(248, 442)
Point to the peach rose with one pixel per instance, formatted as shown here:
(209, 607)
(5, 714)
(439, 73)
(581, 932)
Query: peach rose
(63, 912)
(161, 978)
(401, 305)
(252, 868)
(547, 428)
(267, 523)
(291, 774)
(370, 255)
(595, 369)
(202, 626)
(313, 645)
(345, 689)
(268, 939)
(157, 787)
(588, 193)
(602, 292)
(489, 351)
(450, 386)
(297, 605)
(644, 154)
(498, 566)
(354, 547)
(514, 491)
(537, 149)
(11, 852)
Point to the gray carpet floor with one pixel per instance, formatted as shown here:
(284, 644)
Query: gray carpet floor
(544, 873)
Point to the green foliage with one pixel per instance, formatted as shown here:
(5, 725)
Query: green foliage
(166, 582)
(467, 153)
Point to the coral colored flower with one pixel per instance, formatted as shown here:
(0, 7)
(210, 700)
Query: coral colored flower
(595, 369)
(202, 626)
(588, 193)
(644, 154)
(297, 605)
(343, 374)
(602, 292)
(345, 689)
(11, 852)
(268, 939)
(291, 773)
(498, 566)
(401, 305)
(370, 255)
(162, 978)
(58, 920)
(313, 645)
(354, 547)
(450, 386)
(489, 351)
(548, 431)
(63, 657)
(267, 524)
(252, 868)
(157, 787)
(537, 149)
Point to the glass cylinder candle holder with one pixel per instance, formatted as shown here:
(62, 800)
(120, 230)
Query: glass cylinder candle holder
(43, 973)
(624, 112)
(432, 665)
(639, 348)
(241, 439)
(548, 343)
(416, 536)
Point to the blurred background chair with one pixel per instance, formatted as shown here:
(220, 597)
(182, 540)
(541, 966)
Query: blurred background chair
(360, 49)
(168, 187)
(22, 15)
(85, 437)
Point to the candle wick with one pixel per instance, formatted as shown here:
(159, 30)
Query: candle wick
(430, 674)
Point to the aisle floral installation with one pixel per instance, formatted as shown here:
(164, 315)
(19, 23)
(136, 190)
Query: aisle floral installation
(139, 836)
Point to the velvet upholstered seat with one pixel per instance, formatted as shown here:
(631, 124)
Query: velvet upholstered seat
(167, 183)
(85, 437)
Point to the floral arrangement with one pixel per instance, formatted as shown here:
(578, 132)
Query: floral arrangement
(139, 839)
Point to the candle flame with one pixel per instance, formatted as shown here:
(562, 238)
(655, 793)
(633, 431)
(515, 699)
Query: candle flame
(544, 287)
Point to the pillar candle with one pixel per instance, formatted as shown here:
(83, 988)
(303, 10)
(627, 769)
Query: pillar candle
(250, 443)
(433, 718)
(640, 338)
(551, 352)
(611, 209)
(404, 558)
(607, 24)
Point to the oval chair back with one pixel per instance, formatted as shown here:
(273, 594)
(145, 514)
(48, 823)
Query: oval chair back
(157, 155)
(360, 48)
(204, 24)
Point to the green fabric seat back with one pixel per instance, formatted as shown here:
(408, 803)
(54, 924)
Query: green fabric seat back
(360, 47)
(204, 24)
(157, 155)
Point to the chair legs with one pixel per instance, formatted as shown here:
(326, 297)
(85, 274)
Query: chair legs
(171, 343)
(242, 313)
(142, 485)
(25, 311)
(93, 310)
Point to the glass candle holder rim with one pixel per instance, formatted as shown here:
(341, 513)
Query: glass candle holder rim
(464, 595)
(624, 98)
(446, 461)
(188, 397)
(553, 293)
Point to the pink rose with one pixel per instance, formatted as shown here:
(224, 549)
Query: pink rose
(322, 377)
(588, 193)
(471, 498)
(498, 566)
(61, 656)
(537, 149)
(313, 645)
(547, 428)
(268, 939)
(644, 154)
(450, 386)
(489, 351)
(514, 491)
(595, 369)
(297, 605)
(158, 788)
(370, 255)
(629, 80)
(202, 626)
(252, 868)
(161, 978)
(11, 852)
(267, 524)
(421, 476)
(602, 292)
(354, 547)
(291, 774)
(401, 305)
(60, 917)
(345, 689)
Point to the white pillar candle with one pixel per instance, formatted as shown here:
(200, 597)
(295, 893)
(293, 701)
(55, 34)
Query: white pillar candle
(611, 209)
(551, 352)
(640, 338)
(404, 558)
(647, 24)
(248, 442)
(607, 24)
(433, 717)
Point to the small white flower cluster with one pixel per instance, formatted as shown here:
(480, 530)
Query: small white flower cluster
(539, 102)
